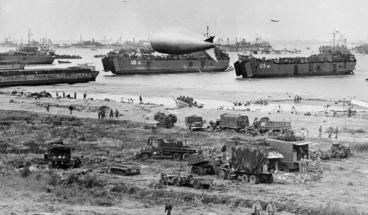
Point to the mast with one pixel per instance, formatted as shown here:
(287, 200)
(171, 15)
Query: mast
(29, 36)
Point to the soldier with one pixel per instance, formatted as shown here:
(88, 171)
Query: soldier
(320, 131)
(111, 114)
(99, 114)
(140, 99)
(336, 132)
(330, 131)
(271, 208)
(75, 95)
(71, 109)
(116, 113)
(223, 150)
(57, 94)
(168, 208)
(48, 107)
(63, 94)
(257, 208)
(84, 95)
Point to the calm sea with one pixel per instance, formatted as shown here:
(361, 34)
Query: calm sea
(326, 87)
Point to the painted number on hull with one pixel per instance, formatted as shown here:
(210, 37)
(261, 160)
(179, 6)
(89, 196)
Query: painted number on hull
(264, 66)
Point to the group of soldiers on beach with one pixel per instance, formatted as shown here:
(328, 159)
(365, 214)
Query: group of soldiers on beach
(102, 114)
(330, 131)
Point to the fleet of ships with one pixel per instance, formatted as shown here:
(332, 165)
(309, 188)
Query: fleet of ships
(193, 56)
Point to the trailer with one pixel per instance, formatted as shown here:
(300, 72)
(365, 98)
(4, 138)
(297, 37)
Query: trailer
(266, 125)
(292, 151)
(185, 181)
(204, 165)
(233, 121)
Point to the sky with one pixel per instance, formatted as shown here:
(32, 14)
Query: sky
(64, 20)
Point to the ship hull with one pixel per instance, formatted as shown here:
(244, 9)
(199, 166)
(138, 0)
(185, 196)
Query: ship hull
(46, 76)
(126, 66)
(28, 59)
(254, 69)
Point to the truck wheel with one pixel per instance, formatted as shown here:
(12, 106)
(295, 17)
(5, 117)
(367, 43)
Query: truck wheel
(161, 181)
(177, 182)
(244, 179)
(253, 179)
(145, 156)
(222, 174)
(196, 185)
(185, 156)
(176, 156)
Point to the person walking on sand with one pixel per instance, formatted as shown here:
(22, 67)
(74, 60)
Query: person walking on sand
(168, 208)
(330, 131)
(257, 208)
(99, 114)
(117, 113)
(271, 208)
(336, 132)
(48, 107)
(84, 95)
(320, 131)
(140, 99)
(111, 114)
(71, 109)
(75, 95)
(57, 94)
(63, 94)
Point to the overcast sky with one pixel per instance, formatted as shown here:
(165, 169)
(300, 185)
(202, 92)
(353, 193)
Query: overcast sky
(69, 19)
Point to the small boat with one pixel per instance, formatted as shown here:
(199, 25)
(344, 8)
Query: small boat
(184, 101)
(64, 61)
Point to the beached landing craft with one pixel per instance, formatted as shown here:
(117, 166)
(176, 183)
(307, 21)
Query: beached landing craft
(330, 61)
(177, 54)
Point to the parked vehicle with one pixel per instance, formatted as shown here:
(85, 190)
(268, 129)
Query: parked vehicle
(165, 120)
(59, 156)
(160, 148)
(186, 181)
(194, 122)
(266, 125)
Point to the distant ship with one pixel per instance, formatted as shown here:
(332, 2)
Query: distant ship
(128, 62)
(28, 55)
(336, 60)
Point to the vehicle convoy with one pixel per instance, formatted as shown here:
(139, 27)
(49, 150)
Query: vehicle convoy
(249, 164)
(59, 155)
(165, 120)
(336, 60)
(186, 181)
(292, 151)
(194, 122)
(161, 149)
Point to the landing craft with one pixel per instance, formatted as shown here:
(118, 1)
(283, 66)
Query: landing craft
(178, 43)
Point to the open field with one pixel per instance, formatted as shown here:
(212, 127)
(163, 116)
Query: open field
(342, 189)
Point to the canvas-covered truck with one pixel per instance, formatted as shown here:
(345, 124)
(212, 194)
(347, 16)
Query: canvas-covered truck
(60, 156)
(204, 164)
(165, 120)
(266, 125)
(292, 151)
(251, 163)
(161, 149)
(230, 121)
(194, 122)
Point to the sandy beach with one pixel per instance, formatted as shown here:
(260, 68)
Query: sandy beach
(341, 178)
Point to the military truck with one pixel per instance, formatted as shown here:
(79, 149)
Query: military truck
(60, 156)
(247, 165)
(194, 122)
(292, 151)
(165, 120)
(337, 151)
(185, 181)
(160, 148)
(266, 125)
(204, 165)
(230, 121)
